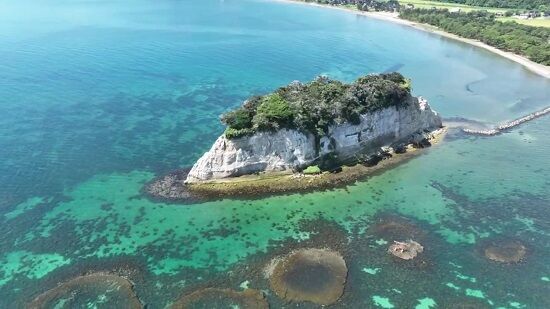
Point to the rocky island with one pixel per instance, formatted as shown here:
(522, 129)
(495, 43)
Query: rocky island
(307, 136)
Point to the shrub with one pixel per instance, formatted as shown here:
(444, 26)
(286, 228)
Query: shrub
(238, 119)
(272, 113)
(315, 106)
(235, 133)
(312, 170)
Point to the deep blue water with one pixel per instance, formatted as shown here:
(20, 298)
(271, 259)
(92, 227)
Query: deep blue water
(98, 97)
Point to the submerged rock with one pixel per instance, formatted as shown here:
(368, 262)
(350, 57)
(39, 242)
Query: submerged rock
(170, 187)
(222, 298)
(468, 303)
(111, 291)
(314, 275)
(405, 250)
(505, 251)
(395, 227)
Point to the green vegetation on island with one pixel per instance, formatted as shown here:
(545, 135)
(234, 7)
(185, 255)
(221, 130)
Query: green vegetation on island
(532, 42)
(314, 106)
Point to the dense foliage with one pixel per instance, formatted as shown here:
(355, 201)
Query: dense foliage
(532, 42)
(314, 106)
(541, 5)
(363, 5)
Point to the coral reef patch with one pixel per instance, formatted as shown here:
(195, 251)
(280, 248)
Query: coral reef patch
(170, 187)
(109, 290)
(222, 298)
(505, 251)
(314, 275)
(392, 227)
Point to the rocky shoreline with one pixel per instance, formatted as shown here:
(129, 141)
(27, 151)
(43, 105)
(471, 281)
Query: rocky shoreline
(291, 150)
(307, 136)
(172, 187)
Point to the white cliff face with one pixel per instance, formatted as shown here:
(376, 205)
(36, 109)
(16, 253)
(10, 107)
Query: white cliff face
(263, 151)
(288, 149)
(381, 128)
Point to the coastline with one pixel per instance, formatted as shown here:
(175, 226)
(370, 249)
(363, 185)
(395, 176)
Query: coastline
(171, 187)
(532, 66)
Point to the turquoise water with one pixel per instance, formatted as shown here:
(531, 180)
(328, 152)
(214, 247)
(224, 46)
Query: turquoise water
(97, 98)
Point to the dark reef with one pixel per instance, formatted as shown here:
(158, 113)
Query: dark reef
(77, 292)
(222, 298)
(314, 275)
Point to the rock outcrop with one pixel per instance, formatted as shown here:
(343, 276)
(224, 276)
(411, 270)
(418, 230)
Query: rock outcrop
(405, 250)
(288, 150)
(505, 251)
(222, 298)
(314, 275)
(80, 292)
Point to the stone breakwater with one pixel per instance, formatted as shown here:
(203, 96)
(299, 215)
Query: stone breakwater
(508, 125)
(290, 150)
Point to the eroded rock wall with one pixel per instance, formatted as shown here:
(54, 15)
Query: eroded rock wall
(288, 149)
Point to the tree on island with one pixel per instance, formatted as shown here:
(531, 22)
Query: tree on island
(314, 106)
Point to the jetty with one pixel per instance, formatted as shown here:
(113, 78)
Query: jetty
(508, 125)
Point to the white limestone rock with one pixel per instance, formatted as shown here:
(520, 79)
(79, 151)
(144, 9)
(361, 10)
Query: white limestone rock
(288, 149)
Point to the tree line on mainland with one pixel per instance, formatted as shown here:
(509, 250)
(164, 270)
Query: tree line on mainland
(531, 42)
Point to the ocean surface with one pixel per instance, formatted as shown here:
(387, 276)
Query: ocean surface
(99, 97)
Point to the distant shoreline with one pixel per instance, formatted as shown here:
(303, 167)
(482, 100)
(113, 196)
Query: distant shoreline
(532, 66)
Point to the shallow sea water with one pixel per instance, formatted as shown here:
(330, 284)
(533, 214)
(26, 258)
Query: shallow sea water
(98, 98)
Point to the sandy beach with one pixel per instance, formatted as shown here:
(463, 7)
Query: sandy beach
(534, 67)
